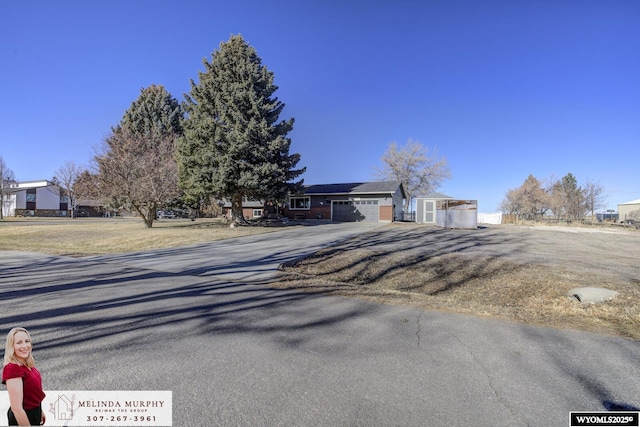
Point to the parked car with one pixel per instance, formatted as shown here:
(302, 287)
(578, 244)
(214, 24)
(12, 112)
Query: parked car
(165, 214)
(632, 222)
(81, 213)
(181, 213)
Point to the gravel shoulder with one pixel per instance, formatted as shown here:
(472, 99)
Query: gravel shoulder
(519, 273)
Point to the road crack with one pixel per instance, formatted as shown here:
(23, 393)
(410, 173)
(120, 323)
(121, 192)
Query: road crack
(487, 375)
(418, 328)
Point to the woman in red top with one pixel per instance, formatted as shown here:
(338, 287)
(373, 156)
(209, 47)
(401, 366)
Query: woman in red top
(23, 381)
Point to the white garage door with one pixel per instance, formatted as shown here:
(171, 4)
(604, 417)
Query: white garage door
(360, 210)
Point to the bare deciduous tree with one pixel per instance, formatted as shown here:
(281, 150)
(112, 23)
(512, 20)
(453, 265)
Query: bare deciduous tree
(6, 178)
(419, 170)
(137, 167)
(564, 198)
(66, 177)
(635, 216)
(138, 171)
(529, 200)
(87, 185)
(594, 196)
(512, 202)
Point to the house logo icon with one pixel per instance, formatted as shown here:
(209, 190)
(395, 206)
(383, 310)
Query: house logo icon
(63, 408)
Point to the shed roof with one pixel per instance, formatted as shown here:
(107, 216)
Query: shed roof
(435, 195)
(356, 188)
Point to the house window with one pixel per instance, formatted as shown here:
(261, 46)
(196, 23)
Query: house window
(257, 213)
(31, 199)
(300, 203)
(64, 202)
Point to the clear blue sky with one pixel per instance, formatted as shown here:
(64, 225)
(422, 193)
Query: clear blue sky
(502, 89)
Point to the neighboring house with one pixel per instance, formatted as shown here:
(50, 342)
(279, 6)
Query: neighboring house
(35, 198)
(42, 198)
(88, 207)
(250, 209)
(445, 211)
(624, 209)
(360, 201)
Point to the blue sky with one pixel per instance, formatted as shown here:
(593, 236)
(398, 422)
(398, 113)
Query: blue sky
(501, 89)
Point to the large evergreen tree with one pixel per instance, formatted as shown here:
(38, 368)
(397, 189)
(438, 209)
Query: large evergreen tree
(234, 145)
(137, 167)
(155, 113)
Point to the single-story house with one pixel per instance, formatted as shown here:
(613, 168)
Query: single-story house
(624, 209)
(359, 201)
(250, 209)
(446, 211)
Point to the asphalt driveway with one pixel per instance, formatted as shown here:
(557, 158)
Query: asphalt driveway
(201, 321)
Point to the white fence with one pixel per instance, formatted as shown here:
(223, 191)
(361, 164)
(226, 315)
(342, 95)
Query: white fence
(490, 218)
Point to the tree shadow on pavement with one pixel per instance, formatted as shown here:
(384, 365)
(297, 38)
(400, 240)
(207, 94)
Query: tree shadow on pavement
(69, 302)
(604, 369)
(451, 257)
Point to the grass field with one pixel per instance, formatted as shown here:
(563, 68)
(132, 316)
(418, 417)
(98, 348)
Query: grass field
(96, 236)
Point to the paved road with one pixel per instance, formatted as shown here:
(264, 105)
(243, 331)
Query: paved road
(201, 322)
(251, 258)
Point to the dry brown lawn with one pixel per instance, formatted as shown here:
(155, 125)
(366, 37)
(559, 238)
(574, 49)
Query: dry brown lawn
(97, 236)
(516, 274)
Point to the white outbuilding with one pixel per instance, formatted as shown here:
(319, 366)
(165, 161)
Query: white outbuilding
(624, 209)
(446, 211)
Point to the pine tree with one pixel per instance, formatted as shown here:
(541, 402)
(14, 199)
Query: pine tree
(155, 112)
(569, 199)
(234, 145)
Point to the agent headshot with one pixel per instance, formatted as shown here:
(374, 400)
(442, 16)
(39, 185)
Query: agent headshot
(23, 381)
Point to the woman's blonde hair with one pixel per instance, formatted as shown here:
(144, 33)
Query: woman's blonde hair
(9, 350)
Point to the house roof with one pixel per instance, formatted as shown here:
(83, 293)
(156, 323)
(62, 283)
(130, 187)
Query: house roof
(245, 203)
(16, 187)
(353, 188)
(30, 184)
(356, 188)
(435, 195)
